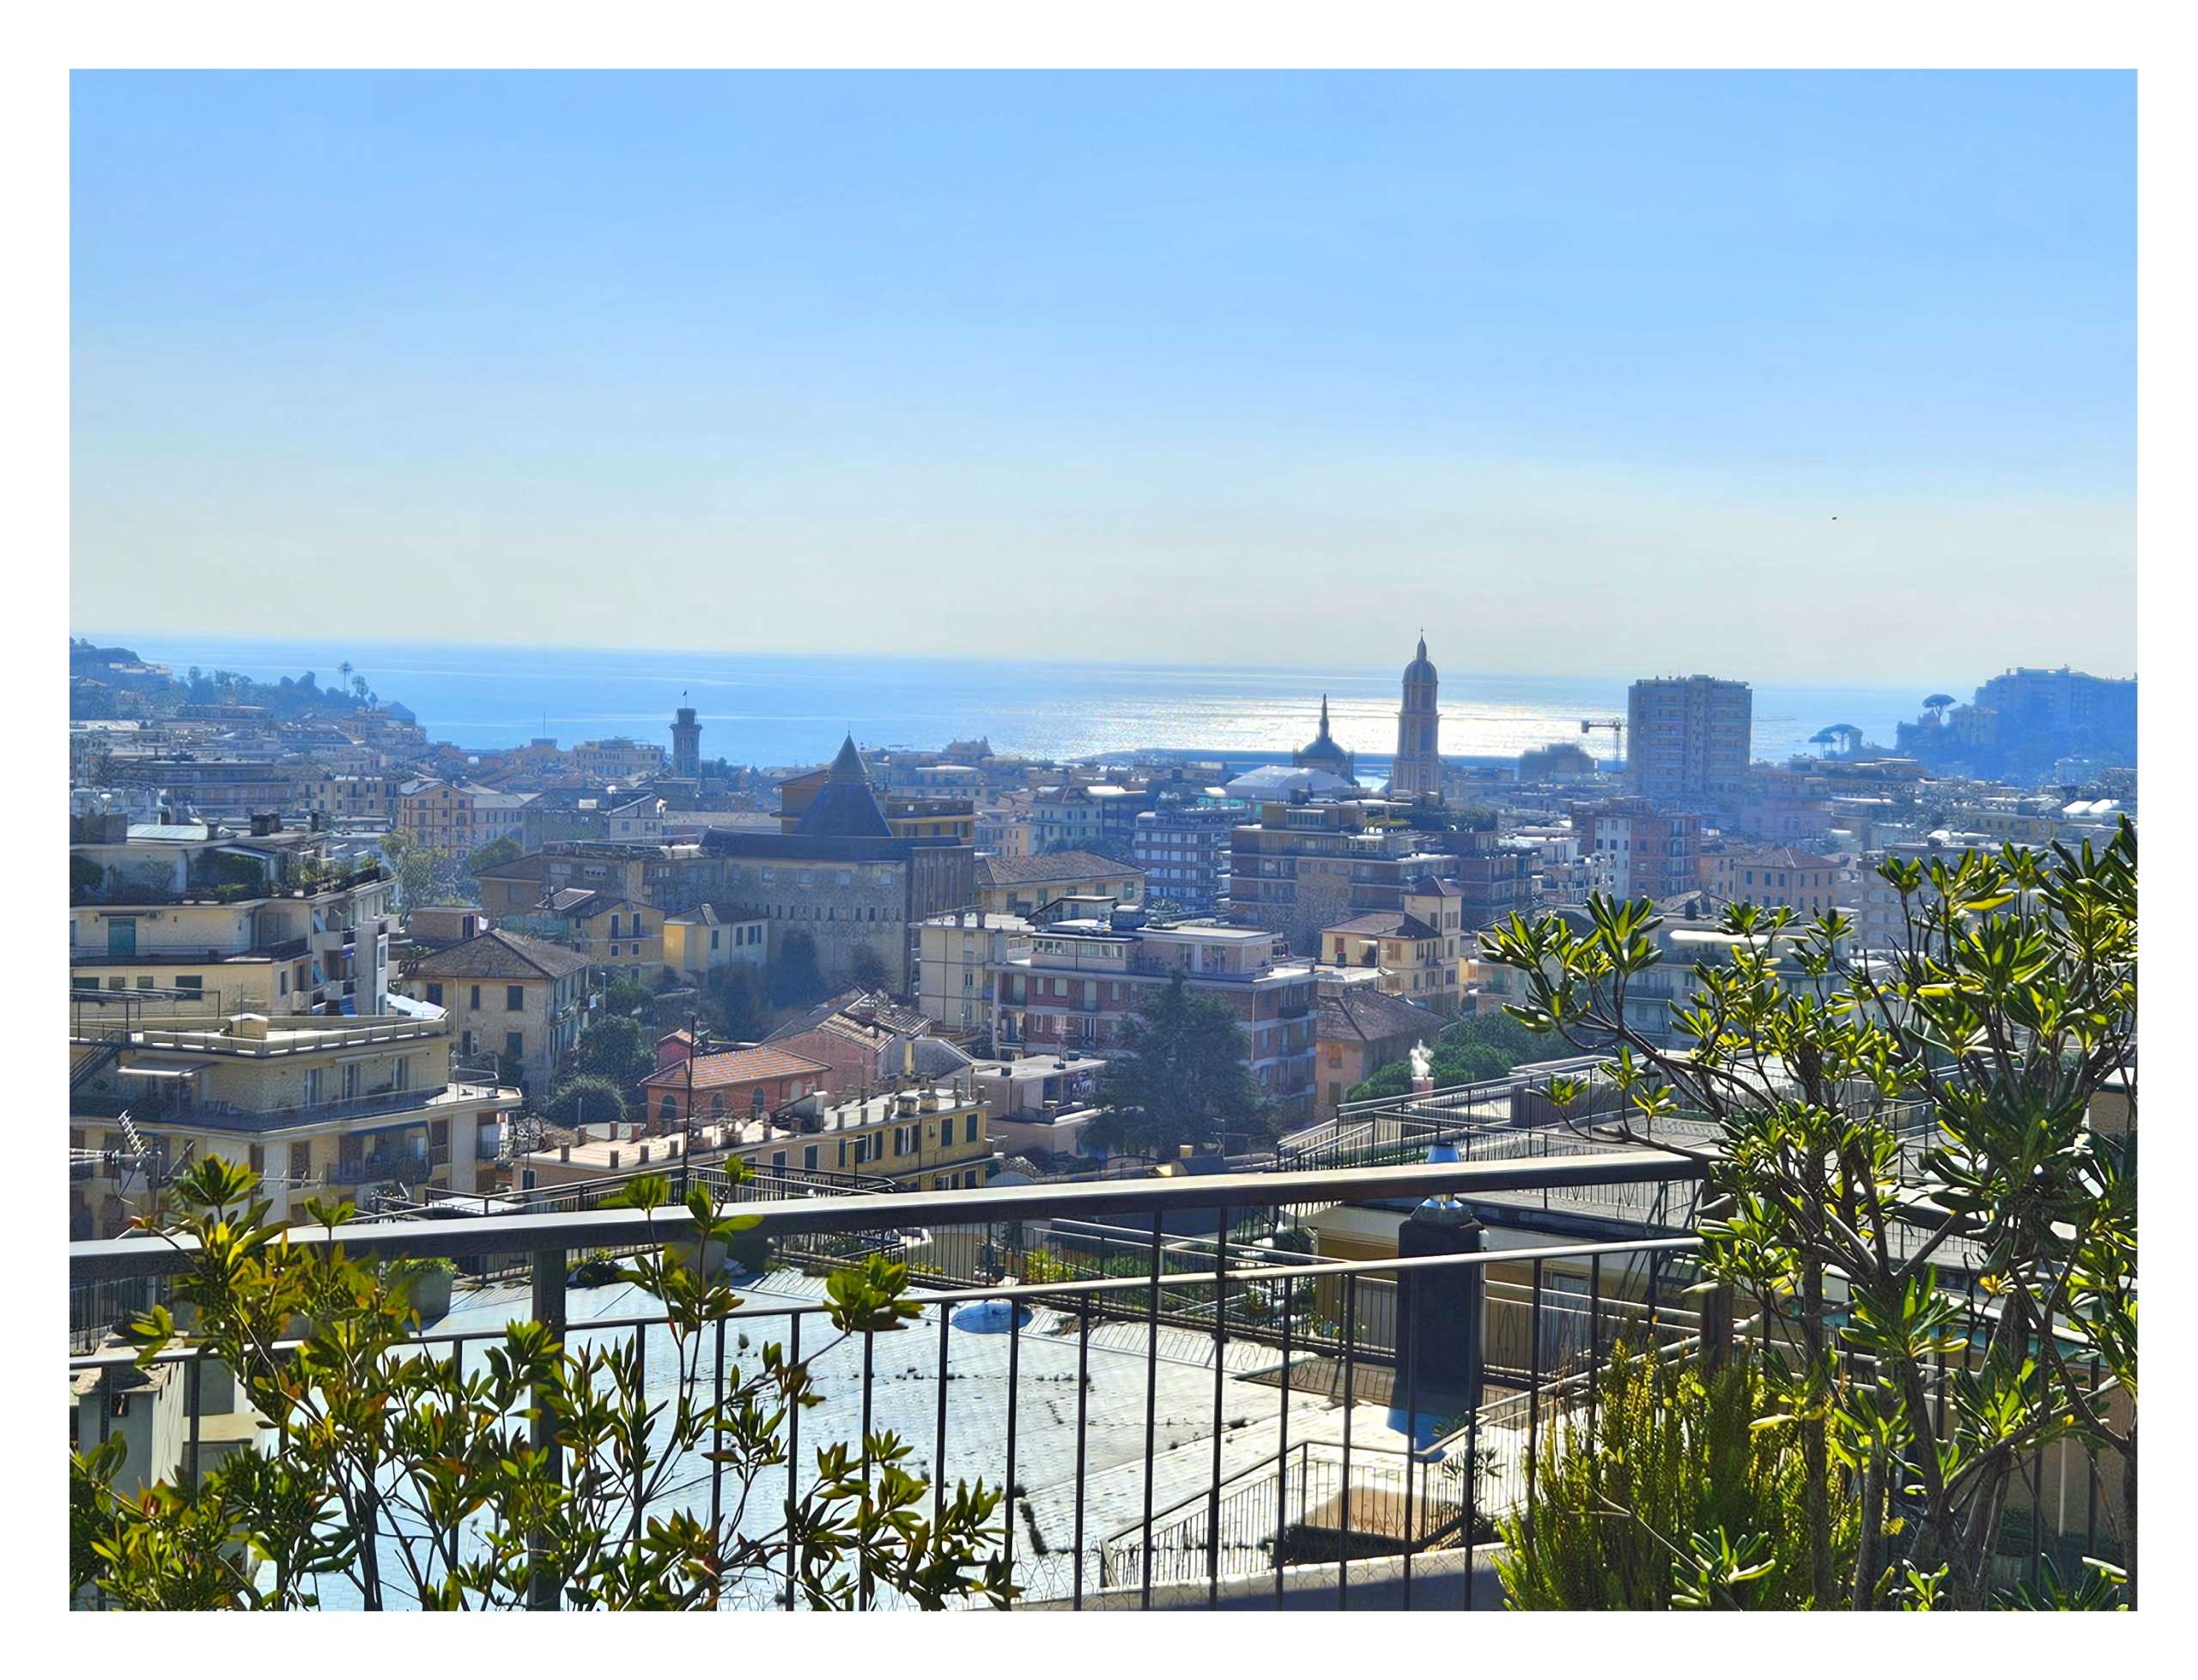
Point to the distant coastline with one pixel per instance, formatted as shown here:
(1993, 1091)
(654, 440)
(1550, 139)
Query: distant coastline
(790, 709)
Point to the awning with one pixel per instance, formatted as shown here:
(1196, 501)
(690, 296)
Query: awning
(160, 1069)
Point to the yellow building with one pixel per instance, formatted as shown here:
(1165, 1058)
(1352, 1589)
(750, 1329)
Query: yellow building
(509, 995)
(1417, 948)
(617, 935)
(711, 936)
(457, 817)
(960, 958)
(319, 1106)
(922, 1138)
(303, 939)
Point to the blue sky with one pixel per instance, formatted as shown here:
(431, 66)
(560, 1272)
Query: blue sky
(1217, 368)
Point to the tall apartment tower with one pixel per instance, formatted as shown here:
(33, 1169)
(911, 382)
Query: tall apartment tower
(1688, 741)
(1419, 766)
(686, 746)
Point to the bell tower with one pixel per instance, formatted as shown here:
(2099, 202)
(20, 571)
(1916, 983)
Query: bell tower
(1417, 770)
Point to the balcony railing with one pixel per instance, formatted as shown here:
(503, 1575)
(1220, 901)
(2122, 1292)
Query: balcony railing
(1187, 1412)
(157, 1107)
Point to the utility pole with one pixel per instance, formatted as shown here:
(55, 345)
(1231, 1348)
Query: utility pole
(687, 1120)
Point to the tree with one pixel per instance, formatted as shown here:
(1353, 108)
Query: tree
(505, 849)
(866, 969)
(628, 996)
(420, 1482)
(1182, 1075)
(614, 1048)
(586, 1099)
(1478, 1048)
(423, 875)
(741, 1007)
(794, 978)
(1894, 1103)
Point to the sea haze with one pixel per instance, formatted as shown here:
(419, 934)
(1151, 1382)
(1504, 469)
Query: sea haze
(774, 709)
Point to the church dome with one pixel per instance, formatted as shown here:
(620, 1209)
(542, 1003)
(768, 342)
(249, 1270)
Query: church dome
(1323, 748)
(1419, 670)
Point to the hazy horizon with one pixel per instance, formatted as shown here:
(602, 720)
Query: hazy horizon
(1810, 376)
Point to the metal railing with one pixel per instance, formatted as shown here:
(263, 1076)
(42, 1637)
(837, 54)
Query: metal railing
(1161, 1441)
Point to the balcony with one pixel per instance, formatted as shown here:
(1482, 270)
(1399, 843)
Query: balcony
(145, 953)
(161, 1107)
(405, 1169)
(1288, 1442)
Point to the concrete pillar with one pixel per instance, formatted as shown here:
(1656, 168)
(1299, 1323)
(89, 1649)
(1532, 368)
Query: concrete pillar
(1439, 1311)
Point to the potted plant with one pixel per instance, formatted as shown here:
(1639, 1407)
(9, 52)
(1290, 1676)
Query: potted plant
(427, 1285)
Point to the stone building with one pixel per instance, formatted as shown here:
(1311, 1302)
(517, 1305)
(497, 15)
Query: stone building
(844, 880)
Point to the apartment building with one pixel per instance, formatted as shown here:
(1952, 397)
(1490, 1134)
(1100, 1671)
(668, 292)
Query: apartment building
(458, 817)
(318, 1106)
(231, 787)
(959, 960)
(1688, 741)
(265, 922)
(1024, 886)
(619, 759)
(1637, 849)
(922, 1136)
(1074, 815)
(712, 935)
(509, 995)
(366, 802)
(1183, 850)
(1083, 979)
(1416, 948)
(1306, 865)
(1776, 876)
(618, 936)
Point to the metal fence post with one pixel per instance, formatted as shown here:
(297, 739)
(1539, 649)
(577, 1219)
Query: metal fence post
(544, 1589)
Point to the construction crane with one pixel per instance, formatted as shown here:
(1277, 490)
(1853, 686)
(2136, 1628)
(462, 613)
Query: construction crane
(1616, 727)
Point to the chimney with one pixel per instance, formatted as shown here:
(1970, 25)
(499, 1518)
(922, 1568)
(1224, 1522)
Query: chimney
(262, 823)
(564, 1151)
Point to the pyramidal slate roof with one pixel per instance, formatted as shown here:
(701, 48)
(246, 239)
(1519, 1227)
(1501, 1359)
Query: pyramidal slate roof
(845, 807)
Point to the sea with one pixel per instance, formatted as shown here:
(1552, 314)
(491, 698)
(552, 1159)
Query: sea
(774, 709)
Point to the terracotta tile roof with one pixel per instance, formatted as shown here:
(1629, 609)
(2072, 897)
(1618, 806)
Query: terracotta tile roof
(1362, 1013)
(501, 955)
(1385, 924)
(1048, 867)
(735, 1067)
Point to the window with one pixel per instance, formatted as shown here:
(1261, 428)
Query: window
(515, 1045)
(514, 998)
(969, 1133)
(475, 1004)
(189, 984)
(808, 1159)
(301, 1161)
(434, 991)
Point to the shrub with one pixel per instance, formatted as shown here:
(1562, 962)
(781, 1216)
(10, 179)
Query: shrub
(421, 1483)
(1672, 1452)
